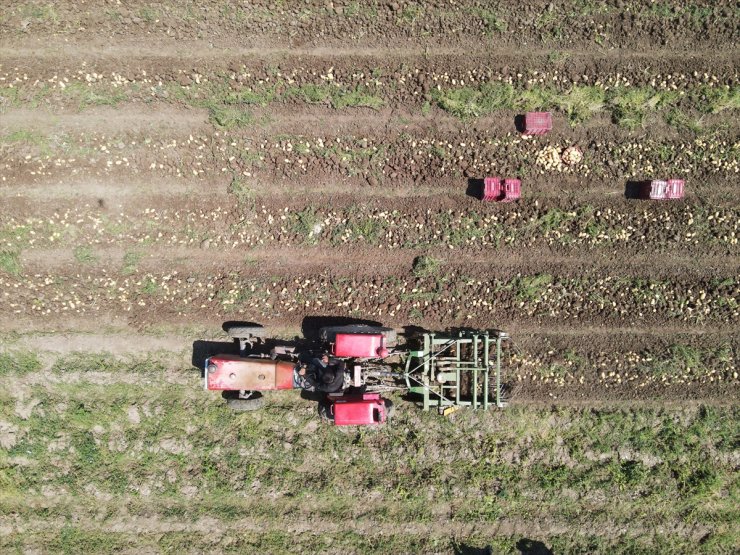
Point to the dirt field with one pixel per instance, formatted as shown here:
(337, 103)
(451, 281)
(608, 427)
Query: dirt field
(166, 167)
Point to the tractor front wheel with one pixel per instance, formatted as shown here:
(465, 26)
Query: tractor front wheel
(325, 412)
(246, 332)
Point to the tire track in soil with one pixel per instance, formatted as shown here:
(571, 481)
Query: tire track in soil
(590, 393)
(150, 191)
(526, 377)
(353, 261)
(303, 120)
(123, 118)
(553, 24)
(440, 528)
(200, 51)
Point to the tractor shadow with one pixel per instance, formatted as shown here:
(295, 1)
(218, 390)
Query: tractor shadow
(525, 546)
(454, 331)
(532, 547)
(311, 325)
(635, 190)
(475, 188)
(204, 349)
(233, 323)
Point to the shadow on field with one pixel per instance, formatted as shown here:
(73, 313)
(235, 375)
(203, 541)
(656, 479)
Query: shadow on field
(475, 188)
(241, 323)
(311, 325)
(520, 123)
(525, 546)
(634, 189)
(532, 547)
(204, 349)
(462, 549)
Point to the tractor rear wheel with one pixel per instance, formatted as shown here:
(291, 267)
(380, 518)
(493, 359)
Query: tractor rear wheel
(239, 332)
(390, 410)
(329, 334)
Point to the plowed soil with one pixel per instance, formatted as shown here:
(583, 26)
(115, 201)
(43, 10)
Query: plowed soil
(166, 167)
(154, 190)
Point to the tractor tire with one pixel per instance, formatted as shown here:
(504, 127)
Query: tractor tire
(325, 412)
(246, 405)
(390, 410)
(238, 332)
(329, 334)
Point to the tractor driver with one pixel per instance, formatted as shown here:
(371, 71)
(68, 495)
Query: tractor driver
(321, 374)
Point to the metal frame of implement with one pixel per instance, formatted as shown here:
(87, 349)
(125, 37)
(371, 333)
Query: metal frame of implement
(450, 364)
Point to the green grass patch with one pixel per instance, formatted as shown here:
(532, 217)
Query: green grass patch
(229, 117)
(358, 97)
(10, 262)
(492, 21)
(130, 262)
(85, 95)
(28, 137)
(425, 266)
(628, 107)
(306, 224)
(337, 96)
(18, 362)
(528, 288)
(42, 12)
(716, 99)
(243, 193)
(84, 255)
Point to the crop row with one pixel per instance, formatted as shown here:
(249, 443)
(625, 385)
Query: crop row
(394, 159)
(476, 93)
(448, 298)
(676, 366)
(405, 227)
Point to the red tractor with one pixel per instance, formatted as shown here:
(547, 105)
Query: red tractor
(333, 367)
(350, 366)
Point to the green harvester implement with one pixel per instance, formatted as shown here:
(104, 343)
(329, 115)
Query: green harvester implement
(455, 370)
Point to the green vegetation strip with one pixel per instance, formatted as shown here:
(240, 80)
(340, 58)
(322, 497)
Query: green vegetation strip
(627, 106)
(82, 453)
(230, 107)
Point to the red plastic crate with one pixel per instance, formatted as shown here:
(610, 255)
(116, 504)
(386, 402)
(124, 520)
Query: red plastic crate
(658, 189)
(512, 189)
(537, 123)
(675, 188)
(661, 189)
(494, 190)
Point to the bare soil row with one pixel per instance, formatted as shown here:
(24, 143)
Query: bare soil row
(560, 23)
(398, 73)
